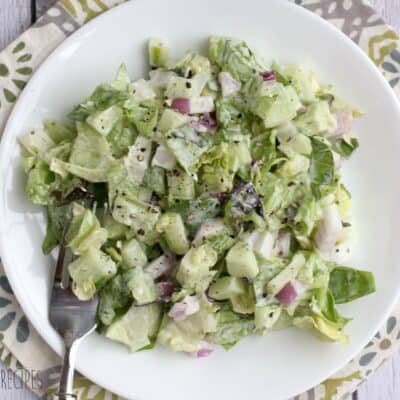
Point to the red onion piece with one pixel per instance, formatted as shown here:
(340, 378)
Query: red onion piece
(205, 350)
(188, 306)
(223, 197)
(268, 76)
(289, 293)
(181, 104)
(205, 124)
(165, 288)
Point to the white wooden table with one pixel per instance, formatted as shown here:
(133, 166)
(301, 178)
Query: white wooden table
(17, 15)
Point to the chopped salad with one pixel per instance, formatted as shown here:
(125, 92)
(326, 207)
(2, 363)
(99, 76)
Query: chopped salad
(203, 204)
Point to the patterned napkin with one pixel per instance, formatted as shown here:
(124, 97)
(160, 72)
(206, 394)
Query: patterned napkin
(21, 348)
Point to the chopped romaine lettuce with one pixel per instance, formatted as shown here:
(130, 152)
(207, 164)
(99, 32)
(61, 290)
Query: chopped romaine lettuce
(231, 327)
(348, 284)
(89, 272)
(212, 185)
(84, 232)
(137, 327)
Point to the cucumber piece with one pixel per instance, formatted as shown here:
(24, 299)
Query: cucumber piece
(158, 51)
(172, 226)
(241, 261)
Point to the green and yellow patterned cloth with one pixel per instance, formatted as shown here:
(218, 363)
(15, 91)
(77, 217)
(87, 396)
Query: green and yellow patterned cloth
(21, 348)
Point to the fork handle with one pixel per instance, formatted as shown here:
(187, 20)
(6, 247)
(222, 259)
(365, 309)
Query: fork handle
(65, 391)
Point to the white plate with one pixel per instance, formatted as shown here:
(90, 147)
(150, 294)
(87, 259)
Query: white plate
(281, 364)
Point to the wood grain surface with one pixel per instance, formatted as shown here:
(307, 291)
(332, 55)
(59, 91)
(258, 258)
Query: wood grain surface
(17, 15)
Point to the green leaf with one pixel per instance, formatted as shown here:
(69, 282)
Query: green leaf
(346, 147)
(25, 71)
(231, 328)
(321, 165)
(24, 58)
(20, 46)
(326, 303)
(395, 55)
(7, 320)
(3, 70)
(10, 96)
(388, 66)
(197, 211)
(22, 330)
(348, 284)
(5, 285)
(19, 84)
(394, 82)
(4, 302)
(8, 360)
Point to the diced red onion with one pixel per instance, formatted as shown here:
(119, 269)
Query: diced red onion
(161, 265)
(204, 124)
(205, 350)
(268, 76)
(188, 306)
(329, 229)
(165, 288)
(181, 104)
(229, 85)
(290, 292)
(222, 197)
(282, 247)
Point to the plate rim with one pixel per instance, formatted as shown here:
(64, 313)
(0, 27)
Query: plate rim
(79, 35)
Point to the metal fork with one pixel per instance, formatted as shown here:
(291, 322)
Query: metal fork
(71, 318)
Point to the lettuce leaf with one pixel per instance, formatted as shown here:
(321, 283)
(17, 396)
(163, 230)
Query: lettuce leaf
(322, 167)
(136, 327)
(235, 57)
(113, 297)
(231, 328)
(40, 183)
(58, 132)
(346, 146)
(90, 157)
(187, 147)
(140, 216)
(84, 232)
(348, 284)
(89, 272)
